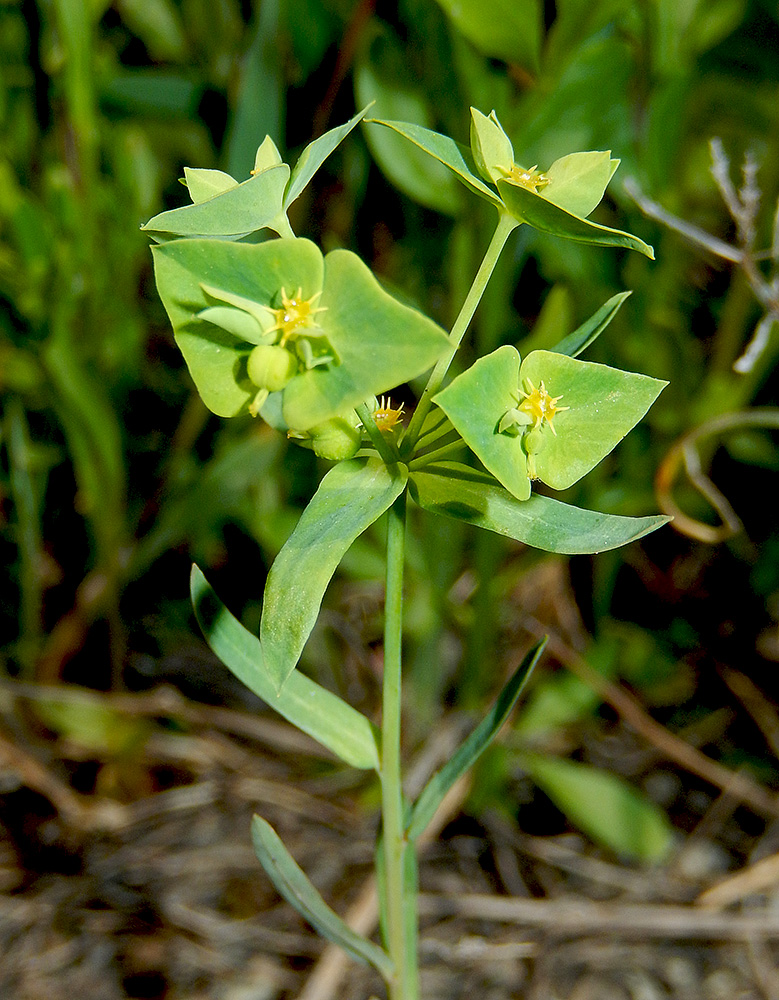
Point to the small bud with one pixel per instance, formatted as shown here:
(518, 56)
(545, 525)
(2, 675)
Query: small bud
(270, 367)
(491, 147)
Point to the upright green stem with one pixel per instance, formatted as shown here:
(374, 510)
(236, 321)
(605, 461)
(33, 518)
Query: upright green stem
(506, 225)
(403, 985)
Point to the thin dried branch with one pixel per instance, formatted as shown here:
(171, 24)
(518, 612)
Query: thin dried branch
(626, 920)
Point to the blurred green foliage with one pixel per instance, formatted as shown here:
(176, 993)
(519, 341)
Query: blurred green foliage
(113, 476)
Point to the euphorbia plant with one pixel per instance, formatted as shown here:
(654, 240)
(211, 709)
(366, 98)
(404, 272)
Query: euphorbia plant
(271, 327)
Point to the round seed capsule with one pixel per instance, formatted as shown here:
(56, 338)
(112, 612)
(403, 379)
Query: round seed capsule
(271, 367)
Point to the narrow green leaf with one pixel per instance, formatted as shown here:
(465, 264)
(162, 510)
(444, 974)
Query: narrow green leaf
(315, 154)
(313, 709)
(454, 156)
(255, 204)
(604, 806)
(581, 338)
(536, 211)
(350, 498)
(456, 491)
(294, 885)
(434, 791)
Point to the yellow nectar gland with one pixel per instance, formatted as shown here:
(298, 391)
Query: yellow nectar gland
(295, 314)
(385, 415)
(531, 179)
(541, 406)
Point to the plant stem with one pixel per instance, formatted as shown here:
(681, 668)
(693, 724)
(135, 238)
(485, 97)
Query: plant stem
(386, 447)
(402, 986)
(506, 225)
(438, 455)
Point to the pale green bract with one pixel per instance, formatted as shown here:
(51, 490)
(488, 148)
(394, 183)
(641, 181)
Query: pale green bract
(223, 298)
(494, 406)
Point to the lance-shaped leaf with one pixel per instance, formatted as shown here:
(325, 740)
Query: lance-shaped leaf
(350, 498)
(434, 791)
(315, 154)
(196, 278)
(540, 213)
(313, 709)
(476, 402)
(456, 491)
(453, 155)
(599, 405)
(240, 209)
(294, 885)
(605, 806)
(581, 338)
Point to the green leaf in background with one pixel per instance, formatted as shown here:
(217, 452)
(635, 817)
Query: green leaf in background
(603, 404)
(604, 806)
(294, 885)
(246, 208)
(468, 753)
(259, 90)
(454, 156)
(476, 402)
(581, 338)
(350, 498)
(456, 491)
(500, 29)
(92, 726)
(313, 709)
(315, 154)
(381, 76)
(540, 213)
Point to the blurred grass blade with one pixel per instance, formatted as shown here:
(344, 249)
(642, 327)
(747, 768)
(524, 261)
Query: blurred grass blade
(350, 498)
(454, 490)
(315, 154)
(581, 338)
(293, 884)
(26, 500)
(313, 709)
(259, 106)
(434, 791)
(604, 806)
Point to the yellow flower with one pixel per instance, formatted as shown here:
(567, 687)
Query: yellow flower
(295, 314)
(539, 405)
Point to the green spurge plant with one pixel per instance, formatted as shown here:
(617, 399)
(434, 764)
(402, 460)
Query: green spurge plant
(306, 342)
